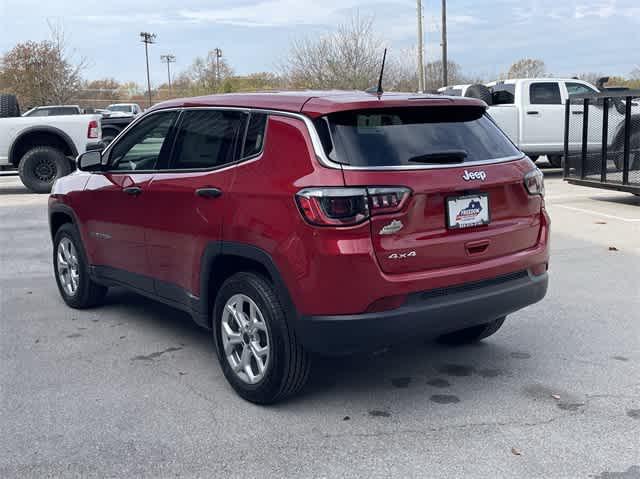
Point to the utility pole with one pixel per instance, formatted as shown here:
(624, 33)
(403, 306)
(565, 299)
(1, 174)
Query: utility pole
(421, 83)
(168, 59)
(445, 65)
(147, 38)
(218, 55)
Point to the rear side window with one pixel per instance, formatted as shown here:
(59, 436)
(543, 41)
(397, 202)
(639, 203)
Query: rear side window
(254, 139)
(545, 94)
(503, 94)
(208, 139)
(412, 136)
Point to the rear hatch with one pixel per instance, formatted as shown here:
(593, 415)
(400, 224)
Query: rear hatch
(467, 201)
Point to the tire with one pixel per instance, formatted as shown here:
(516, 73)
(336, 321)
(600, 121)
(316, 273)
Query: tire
(86, 293)
(555, 160)
(473, 334)
(9, 107)
(634, 155)
(480, 92)
(108, 135)
(41, 166)
(285, 366)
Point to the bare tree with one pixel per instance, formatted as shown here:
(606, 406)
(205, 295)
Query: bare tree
(41, 73)
(527, 68)
(635, 73)
(348, 58)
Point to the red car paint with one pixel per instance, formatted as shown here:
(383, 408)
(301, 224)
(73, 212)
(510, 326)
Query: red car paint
(161, 235)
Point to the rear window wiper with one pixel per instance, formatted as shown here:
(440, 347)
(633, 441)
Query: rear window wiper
(441, 157)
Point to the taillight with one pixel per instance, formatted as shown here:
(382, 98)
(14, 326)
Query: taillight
(349, 206)
(534, 182)
(94, 129)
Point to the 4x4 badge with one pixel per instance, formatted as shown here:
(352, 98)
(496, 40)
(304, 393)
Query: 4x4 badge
(392, 228)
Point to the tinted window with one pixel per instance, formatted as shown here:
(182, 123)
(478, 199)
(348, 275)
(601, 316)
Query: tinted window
(578, 89)
(255, 135)
(412, 136)
(503, 94)
(143, 147)
(208, 138)
(545, 94)
(39, 112)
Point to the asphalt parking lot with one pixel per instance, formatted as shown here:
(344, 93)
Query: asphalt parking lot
(133, 389)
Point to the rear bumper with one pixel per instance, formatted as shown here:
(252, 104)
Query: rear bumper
(425, 314)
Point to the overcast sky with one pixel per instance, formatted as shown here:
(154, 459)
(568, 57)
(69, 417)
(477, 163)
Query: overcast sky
(485, 37)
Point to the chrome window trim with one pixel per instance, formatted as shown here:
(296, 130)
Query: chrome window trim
(315, 141)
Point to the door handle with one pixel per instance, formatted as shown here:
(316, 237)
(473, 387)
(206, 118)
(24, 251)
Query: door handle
(132, 190)
(578, 112)
(209, 192)
(533, 113)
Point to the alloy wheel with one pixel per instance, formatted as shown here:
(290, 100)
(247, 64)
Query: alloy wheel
(245, 339)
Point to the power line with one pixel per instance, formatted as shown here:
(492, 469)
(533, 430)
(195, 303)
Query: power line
(148, 38)
(168, 59)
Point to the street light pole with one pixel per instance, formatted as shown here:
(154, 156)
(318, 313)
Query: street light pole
(445, 65)
(218, 54)
(148, 38)
(421, 83)
(168, 59)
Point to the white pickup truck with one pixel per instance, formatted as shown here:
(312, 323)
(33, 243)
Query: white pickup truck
(531, 112)
(44, 149)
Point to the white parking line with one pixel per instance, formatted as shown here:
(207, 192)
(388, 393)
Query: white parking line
(590, 212)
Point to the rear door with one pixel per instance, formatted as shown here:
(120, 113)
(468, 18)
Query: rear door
(468, 202)
(189, 198)
(543, 118)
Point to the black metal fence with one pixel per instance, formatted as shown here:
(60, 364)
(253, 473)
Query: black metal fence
(602, 140)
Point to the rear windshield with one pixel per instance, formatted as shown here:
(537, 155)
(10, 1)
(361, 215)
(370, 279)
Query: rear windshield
(412, 136)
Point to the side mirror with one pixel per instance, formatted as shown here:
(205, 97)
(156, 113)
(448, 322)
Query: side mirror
(90, 161)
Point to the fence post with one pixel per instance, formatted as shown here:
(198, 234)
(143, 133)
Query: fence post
(627, 136)
(605, 139)
(585, 136)
(567, 112)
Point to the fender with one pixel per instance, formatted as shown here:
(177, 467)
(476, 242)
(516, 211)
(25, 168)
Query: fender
(42, 129)
(216, 249)
(62, 208)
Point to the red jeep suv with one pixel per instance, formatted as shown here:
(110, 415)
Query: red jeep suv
(299, 223)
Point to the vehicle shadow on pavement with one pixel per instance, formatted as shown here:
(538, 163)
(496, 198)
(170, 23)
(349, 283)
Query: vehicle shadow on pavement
(622, 200)
(417, 368)
(14, 190)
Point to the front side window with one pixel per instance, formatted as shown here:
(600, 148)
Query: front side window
(547, 93)
(208, 139)
(412, 136)
(145, 146)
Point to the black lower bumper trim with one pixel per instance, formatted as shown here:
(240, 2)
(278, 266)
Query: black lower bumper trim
(424, 315)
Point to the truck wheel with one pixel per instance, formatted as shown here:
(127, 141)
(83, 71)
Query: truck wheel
(9, 107)
(480, 92)
(555, 160)
(71, 270)
(634, 154)
(258, 351)
(41, 166)
(473, 334)
(108, 135)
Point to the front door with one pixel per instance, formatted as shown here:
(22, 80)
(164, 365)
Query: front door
(119, 200)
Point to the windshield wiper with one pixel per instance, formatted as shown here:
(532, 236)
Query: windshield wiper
(441, 157)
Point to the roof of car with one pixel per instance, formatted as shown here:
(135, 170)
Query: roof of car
(317, 103)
